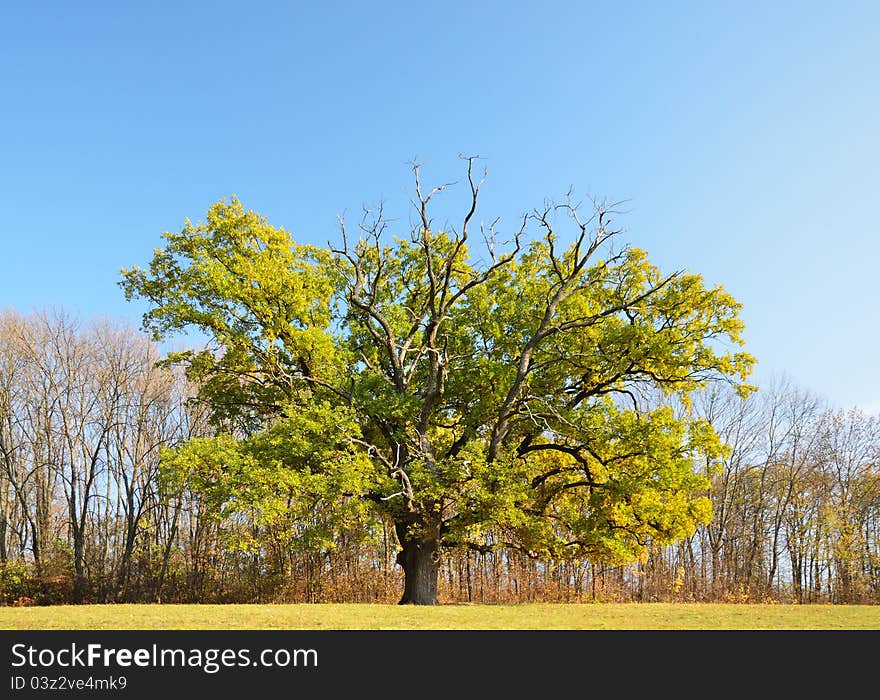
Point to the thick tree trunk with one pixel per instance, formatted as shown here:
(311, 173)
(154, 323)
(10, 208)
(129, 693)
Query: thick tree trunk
(420, 561)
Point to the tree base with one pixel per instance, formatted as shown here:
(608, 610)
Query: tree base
(421, 566)
(409, 601)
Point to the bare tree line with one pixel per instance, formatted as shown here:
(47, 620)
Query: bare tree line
(85, 517)
(83, 413)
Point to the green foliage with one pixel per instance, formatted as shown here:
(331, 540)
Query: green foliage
(262, 300)
(15, 582)
(635, 484)
(297, 482)
(497, 404)
(51, 583)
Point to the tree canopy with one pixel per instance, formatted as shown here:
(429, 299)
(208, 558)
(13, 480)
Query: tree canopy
(474, 391)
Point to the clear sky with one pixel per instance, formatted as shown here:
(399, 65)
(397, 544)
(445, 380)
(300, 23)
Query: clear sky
(745, 135)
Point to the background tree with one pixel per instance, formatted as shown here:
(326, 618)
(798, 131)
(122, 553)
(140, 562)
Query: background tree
(485, 403)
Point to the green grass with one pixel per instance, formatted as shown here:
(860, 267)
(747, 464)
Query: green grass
(539, 616)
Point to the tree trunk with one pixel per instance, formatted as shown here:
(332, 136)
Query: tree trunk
(3, 526)
(420, 561)
(79, 584)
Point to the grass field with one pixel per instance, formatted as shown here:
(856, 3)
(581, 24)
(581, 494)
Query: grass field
(539, 616)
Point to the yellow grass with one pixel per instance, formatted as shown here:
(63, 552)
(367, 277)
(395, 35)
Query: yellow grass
(632, 616)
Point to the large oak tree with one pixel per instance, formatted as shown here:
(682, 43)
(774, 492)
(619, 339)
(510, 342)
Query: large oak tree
(494, 395)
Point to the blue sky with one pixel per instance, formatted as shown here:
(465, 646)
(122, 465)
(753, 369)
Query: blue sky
(744, 136)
